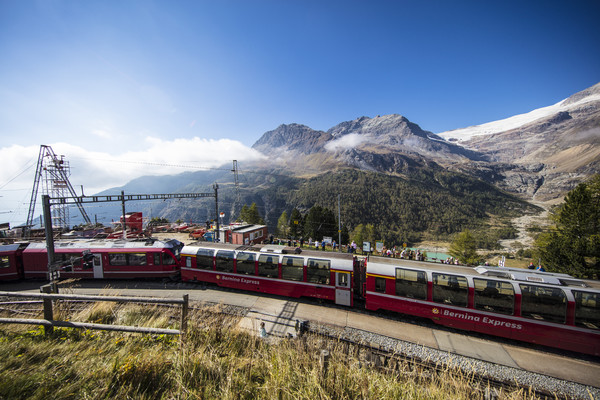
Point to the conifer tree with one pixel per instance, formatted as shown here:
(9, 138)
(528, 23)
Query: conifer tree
(464, 248)
(573, 244)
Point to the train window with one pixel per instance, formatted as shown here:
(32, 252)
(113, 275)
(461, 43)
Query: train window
(412, 284)
(66, 258)
(204, 259)
(137, 258)
(245, 263)
(450, 289)
(587, 309)
(343, 279)
(168, 259)
(225, 261)
(318, 271)
(380, 285)
(543, 303)
(292, 268)
(76, 257)
(268, 266)
(4, 262)
(117, 259)
(157, 259)
(494, 296)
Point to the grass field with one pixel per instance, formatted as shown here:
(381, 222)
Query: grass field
(217, 360)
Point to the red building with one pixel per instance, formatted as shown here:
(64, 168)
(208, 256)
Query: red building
(249, 234)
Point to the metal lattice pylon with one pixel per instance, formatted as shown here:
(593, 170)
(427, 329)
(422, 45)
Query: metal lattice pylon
(55, 173)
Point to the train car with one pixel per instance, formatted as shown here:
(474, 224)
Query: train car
(112, 258)
(11, 263)
(280, 270)
(550, 309)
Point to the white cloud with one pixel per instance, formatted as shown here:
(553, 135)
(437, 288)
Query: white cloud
(349, 141)
(98, 171)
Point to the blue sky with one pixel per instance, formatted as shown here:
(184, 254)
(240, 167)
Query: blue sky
(198, 82)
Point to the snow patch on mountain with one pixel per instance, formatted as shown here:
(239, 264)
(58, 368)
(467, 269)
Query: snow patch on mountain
(516, 121)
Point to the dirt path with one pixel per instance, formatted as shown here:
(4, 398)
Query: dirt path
(522, 224)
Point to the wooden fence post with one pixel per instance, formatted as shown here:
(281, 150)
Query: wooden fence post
(48, 313)
(184, 314)
(324, 361)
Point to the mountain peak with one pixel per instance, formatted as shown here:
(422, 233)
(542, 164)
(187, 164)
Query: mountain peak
(292, 137)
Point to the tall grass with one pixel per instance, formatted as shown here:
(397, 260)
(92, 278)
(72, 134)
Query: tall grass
(216, 361)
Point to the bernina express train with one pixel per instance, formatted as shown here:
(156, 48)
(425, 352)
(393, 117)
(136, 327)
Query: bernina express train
(550, 309)
(554, 310)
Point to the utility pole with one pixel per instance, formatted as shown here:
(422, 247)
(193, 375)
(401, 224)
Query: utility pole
(124, 225)
(49, 240)
(339, 226)
(216, 187)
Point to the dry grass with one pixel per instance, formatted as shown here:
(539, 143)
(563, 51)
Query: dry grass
(217, 361)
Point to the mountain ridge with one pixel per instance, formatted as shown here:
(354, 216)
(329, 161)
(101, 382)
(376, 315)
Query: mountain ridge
(424, 176)
(544, 154)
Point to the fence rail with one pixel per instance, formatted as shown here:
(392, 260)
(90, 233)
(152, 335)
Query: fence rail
(49, 322)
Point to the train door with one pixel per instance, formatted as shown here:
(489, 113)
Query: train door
(343, 291)
(98, 270)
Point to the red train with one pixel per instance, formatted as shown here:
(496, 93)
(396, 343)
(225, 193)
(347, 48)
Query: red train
(554, 310)
(144, 258)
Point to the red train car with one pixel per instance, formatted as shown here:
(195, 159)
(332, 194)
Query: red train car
(145, 258)
(280, 270)
(554, 310)
(11, 263)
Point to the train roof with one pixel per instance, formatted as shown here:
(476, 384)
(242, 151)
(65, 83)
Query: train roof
(11, 247)
(386, 266)
(345, 258)
(75, 244)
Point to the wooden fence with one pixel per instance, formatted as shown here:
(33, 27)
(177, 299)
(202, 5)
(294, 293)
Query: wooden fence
(49, 322)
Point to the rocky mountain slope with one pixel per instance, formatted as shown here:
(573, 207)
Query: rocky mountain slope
(545, 153)
(539, 155)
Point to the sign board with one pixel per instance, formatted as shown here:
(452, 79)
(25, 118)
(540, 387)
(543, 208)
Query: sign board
(379, 246)
(327, 239)
(366, 247)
